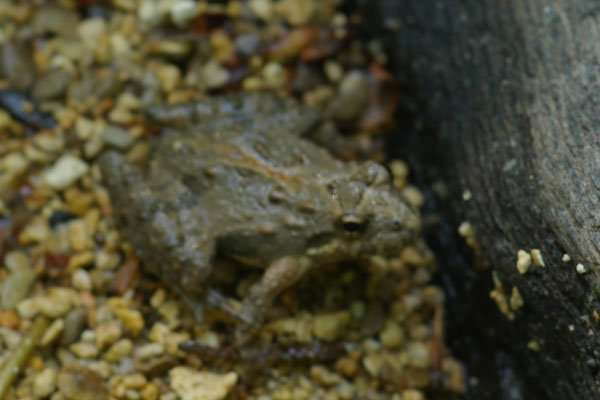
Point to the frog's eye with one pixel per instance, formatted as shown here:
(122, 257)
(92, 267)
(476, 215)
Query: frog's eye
(352, 223)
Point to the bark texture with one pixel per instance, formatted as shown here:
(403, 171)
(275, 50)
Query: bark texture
(512, 88)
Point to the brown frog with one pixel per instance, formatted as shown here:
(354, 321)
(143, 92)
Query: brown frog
(238, 179)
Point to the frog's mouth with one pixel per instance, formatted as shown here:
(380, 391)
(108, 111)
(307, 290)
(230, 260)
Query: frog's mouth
(337, 250)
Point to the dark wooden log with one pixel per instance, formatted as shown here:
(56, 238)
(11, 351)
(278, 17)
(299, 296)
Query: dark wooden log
(511, 90)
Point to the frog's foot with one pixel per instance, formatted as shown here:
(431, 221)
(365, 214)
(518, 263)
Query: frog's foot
(280, 275)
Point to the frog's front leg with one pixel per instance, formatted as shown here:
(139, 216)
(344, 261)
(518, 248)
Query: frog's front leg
(280, 275)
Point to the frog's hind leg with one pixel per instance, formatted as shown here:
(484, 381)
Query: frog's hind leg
(280, 275)
(162, 220)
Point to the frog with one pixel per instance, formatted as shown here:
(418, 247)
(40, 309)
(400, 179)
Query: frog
(237, 176)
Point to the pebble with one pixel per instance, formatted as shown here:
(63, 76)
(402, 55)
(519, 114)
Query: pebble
(81, 280)
(65, 171)
(330, 327)
(333, 70)
(9, 319)
(16, 287)
(75, 323)
(323, 376)
(51, 85)
(523, 261)
(58, 302)
(182, 12)
(148, 351)
(169, 77)
(49, 143)
(412, 394)
(214, 75)
(108, 333)
(297, 12)
(76, 382)
(37, 231)
(536, 257)
(53, 332)
(84, 350)
(247, 45)
(44, 383)
(11, 338)
(352, 97)
(190, 384)
(149, 392)
(418, 355)
(107, 260)
(119, 350)
(117, 137)
(391, 335)
(28, 308)
(262, 9)
(274, 75)
(134, 381)
(132, 320)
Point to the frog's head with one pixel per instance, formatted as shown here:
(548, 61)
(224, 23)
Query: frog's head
(373, 218)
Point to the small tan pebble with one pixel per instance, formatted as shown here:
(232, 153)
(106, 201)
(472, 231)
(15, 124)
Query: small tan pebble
(420, 332)
(300, 327)
(413, 195)
(150, 350)
(210, 339)
(37, 231)
(319, 97)
(190, 384)
(169, 77)
(79, 236)
(373, 363)
(107, 260)
(84, 350)
(413, 256)
(159, 332)
(466, 230)
(149, 392)
(274, 75)
(76, 382)
(91, 30)
(75, 323)
(412, 394)
(323, 376)
(81, 280)
(44, 383)
(9, 319)
(262, 9)
(53, 332)
(418, 355)
(347, 366)
(333, 70)
(132, 320)
(11, 338)
(183, 11)
(330, 327)
(14, 164)
(391, 335)
(566, 258)
(80, 260)
(108, 333)
(297, 12)
(170, 311)
(533, 345)
(214, 75)
(158, 298)
(49, 143)
(173, 340)
(580, 268)
(58, 302)
(523, 261)
(16, 287)
(28, 308)
(252, 83)
(65, 171)
(516, 301)
(455, 374)
(117, 137)
(400, 172)
(134, 381)
(536, 257)
(351, 98)
(221, 44)
(119, 350)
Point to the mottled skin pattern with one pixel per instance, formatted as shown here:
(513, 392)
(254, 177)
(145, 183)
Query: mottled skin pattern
(238, 179)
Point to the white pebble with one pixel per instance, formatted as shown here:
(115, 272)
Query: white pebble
(65, 171)
(183, 12)
(580, 269)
